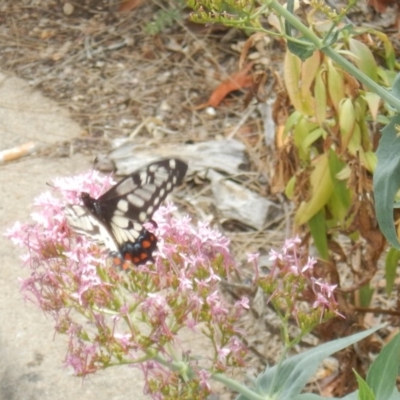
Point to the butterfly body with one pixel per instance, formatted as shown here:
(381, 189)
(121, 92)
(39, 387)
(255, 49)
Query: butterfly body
(116, 218)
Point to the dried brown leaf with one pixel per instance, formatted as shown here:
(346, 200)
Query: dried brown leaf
(237, 81)
(129, 5)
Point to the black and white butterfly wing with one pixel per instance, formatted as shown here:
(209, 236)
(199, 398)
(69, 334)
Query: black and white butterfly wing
(116, 217)
(83, 222)
(131, 202)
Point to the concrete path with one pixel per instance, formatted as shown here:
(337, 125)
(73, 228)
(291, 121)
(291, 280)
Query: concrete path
(31, 358)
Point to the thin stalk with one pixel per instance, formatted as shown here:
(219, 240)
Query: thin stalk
(238, 387)
(339, 59)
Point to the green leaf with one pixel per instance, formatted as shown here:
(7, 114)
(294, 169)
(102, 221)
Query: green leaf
(392, 259)
(390, 55)
(320, 95)
(290, 8)
(364, 391)
(347, 121)
(290, 186)
(321, 190)
(312, 396)
(301, 100)
(333, 36)
(286, 381)
(396, 87)
(302, 48)
(373, 100)
(368, 160)
(313, 136)
(341, 191)
(387, 180)
(291, 122)
(365, 60)
(336, 87)
(382, 374)
(366, 293)
(351, 396)
(317, 227)
(303, 133)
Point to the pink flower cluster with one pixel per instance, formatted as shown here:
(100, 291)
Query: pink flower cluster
(112, 317)
(291, 282)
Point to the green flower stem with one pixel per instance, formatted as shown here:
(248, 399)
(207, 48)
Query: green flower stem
(238, 387)
(343, 62)
(367, 81)
(186, 373)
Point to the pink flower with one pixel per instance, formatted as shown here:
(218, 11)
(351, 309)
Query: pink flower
(111, 316)
(309, 266)
(222, 354)
(243, 302)
(253, 257)
(291, 244)
(205, 377)
(274, 255)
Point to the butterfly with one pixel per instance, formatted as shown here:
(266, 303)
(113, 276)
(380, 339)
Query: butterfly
(116, 218)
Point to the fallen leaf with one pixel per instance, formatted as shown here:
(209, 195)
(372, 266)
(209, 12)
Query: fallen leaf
(129, 5)
(237, 81)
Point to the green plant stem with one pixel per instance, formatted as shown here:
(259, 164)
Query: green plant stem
(343, 62)
(186, 372)
(238, 387)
